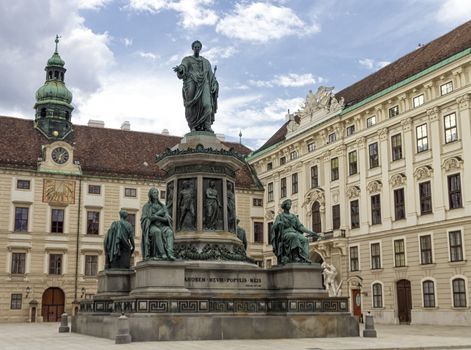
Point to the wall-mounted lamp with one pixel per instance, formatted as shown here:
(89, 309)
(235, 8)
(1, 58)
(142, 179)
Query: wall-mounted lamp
(28, 290)
(83, 290)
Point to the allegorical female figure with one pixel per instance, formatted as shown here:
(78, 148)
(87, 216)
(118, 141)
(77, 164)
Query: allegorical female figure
(231, 207)
(157, 233)
(212, 206)
(200, 89)
(288, 241)
(119, 243)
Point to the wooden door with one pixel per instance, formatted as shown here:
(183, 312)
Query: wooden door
(52, 304)
(356, 303)
(404, 301)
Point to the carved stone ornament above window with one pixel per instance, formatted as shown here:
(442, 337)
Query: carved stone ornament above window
(433, 113)
(423, 172)
(397, 180)
(324, 98)
(315, 194)
(353, 192)
(453, 163)
(269, 214)
(374, 186)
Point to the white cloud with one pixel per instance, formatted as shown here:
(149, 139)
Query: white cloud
(261, 22)
(149, 55)
(92, 4)
(215, 53)
(454, 11)
(372, 64)
(193, 13)
(127, 42)
(288, 80)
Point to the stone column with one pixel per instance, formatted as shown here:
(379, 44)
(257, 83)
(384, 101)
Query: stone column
(341, 153)
(410, 190)
(363, 169)
(464, 116)
(386, 194)
(436, 142)
(327, 185)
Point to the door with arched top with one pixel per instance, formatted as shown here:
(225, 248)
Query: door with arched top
(52, 304)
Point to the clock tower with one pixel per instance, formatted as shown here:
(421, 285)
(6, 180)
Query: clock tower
(53, 101)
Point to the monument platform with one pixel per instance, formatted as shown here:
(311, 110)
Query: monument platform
(196, 300)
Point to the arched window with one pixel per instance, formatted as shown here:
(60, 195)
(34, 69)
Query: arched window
(50, 74)
(62, 76)
(43, 112)
(56, 74)
(316, 217)
(428, 289)
(459, 292)
(377, 295)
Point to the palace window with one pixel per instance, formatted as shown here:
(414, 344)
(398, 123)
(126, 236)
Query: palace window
(454, 191)
(132, 220)
(93, 222)
(294, 183)
(258, 232)
(332, 138)
(283, 187)
(354, 214)
(399, 253)
(91, 265)
(425, 192)
(334, 169)
(429, 293)
(376, 209)
(283, 160)
(130, 192)
(270, 191)
(418, 101)
(314, 176)
(396, 147)
(336, 217)
(354, 266)
(352, 163)
(21, 219)
(426, 250)
(377, 295)
(374, 157)
(393, 111)
(350, 130)
(399, 204)
(456, 246)
(15, 302)
(23, 184)
(257, 202)
(269, 166)
(422, 139)
(18, 263)
(446, 88)
(375, 256)
(293, 155)
(370, 121)
(316, 217)
(459, 292)
(163, 194)
(55, 264)
(451, 133)
(94, 189)
(311, 147)
(57, 220)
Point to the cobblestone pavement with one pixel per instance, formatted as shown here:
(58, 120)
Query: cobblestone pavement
(45, 336)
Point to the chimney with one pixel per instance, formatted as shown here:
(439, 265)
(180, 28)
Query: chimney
(126, 126)
(220, 137)
(165, 132)
(96, 123)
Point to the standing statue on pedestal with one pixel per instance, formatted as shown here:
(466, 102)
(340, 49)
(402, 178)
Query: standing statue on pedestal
(200, 89)
(240, 232)
(212, 206)
(288, 241)
(231, 207)
(157, 233)
(119, 243)
(186, 207)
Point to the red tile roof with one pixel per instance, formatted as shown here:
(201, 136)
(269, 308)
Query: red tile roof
(459, 39)
(101, 151)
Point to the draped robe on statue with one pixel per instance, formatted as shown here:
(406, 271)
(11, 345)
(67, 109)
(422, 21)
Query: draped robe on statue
(289, 243)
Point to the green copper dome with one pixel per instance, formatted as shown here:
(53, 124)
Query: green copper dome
(54, 90)
(55, 60)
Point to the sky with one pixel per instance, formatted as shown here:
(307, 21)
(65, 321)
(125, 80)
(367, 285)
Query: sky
(119, 54)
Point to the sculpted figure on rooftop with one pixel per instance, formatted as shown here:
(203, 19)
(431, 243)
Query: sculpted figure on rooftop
(200, 89)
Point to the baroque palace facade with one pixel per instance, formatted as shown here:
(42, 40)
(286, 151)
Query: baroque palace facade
(61, 187)
(380, 167)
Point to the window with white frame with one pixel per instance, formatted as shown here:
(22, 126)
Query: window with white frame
(399, 253)
(23, 184)
(293, 155)
(377, 295)
(425, 192)
(350, 130)
(331, 138)
(454, 191)
(283, 191)
(18, 263)
(354, 260)
(270, 192)
(314, 176)
(373, 155)
(334, 169)
(422, 138)
(294, 183)
(446, 88)
(451, 133)
(375, 256)
(376, 209)
(311, 147)
(459, 292)
(418, 101)
(426, 256)
(352, 163)
(455, 241)
(428, 290)
(91, 265)
(396, 147)
(393, 111)
(370, 121)
(269, 166)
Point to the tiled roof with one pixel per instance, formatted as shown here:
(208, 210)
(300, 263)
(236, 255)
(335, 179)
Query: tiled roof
(459, 39)
(101, 151)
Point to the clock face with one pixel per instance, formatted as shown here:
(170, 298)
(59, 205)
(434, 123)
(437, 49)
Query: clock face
(60, 155)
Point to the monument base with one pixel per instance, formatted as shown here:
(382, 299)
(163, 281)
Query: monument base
(203, 300)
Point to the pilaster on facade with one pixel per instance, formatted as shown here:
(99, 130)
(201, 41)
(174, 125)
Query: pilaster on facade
(464, 117)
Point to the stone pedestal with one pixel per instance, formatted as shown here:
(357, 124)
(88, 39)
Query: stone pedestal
(114, 282)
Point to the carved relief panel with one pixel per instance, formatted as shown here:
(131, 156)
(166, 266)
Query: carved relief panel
(186, 204)
(58, 191)
(231, 207)
(212, 204)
